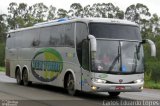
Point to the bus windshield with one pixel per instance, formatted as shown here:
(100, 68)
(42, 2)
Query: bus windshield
(115, 56)
(114, 31)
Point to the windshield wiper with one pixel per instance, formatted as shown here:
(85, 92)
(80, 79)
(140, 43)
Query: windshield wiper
(117, 58)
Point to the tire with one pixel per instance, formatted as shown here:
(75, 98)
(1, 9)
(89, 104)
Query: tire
(114, 94)
(70, 85)
(18, 77)
(26, 82)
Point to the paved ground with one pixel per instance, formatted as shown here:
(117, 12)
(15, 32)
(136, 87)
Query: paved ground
(44, 95)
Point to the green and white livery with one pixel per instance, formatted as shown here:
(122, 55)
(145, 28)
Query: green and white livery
(85, 54)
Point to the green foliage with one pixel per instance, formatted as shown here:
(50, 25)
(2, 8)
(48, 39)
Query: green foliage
(2, 69)
(76, 10)
(51, 13)
(62, 13)
(136, 12)
(152, 64)
(151, 84)
(2, 50)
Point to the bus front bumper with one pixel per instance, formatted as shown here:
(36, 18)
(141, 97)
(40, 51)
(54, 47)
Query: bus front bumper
(100, 87)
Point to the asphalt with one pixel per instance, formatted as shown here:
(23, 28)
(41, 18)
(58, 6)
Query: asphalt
(12, 94)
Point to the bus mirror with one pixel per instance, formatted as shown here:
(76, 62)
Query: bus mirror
(143, 41)
(93, 43)
(8, 35)
(152, 45)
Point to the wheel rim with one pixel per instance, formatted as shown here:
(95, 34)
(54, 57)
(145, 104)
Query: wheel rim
(70, 84)
(18, 77)
(25, 78)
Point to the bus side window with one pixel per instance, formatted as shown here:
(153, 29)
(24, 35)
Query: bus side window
(44, 37)
(85, 54)
(69, 34)
(81, 34)
(10, 41)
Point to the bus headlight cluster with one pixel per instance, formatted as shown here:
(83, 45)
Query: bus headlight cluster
(138, 81)
(99, 80)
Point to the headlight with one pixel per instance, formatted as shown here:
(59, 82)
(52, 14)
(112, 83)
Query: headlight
(99, 80)
(138, 81)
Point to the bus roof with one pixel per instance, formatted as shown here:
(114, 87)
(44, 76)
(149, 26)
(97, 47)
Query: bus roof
(85, 20)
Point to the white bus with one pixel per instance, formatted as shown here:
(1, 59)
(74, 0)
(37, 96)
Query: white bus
(85, 54)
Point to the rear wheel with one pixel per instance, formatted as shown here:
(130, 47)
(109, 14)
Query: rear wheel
(25, 78)
(18, 77)
(114, 94)
(71, 85)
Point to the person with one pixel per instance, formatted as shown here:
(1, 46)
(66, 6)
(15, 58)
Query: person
(105, 59)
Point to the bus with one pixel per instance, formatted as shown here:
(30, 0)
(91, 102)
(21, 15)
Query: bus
(79, 54)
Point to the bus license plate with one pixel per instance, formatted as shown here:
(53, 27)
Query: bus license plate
(119, 88)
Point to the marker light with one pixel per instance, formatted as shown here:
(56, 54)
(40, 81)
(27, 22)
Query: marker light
(141, 87)
(138, 81)
(94, 87)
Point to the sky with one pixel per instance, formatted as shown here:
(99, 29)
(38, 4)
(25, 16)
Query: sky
(153, 5)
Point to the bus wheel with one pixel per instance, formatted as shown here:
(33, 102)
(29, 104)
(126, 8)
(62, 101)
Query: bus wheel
(71, 85)
(25, 78)
(114, 94)
(18, 77)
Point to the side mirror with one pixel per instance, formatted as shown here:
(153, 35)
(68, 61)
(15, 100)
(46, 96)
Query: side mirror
(93, 43)
(152, 45)
(8, 35)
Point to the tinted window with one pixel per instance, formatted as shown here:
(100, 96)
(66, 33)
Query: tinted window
(69, 34)
(62, 35)
(45, 36)
(10, 41)
(81, 34)
(30, 38)
(114, 31)
(18, 39)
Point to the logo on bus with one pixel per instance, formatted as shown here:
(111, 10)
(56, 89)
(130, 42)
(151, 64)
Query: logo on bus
(46, 65)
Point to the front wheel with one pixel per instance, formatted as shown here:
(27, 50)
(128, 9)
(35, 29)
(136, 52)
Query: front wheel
(26, 82)
(114, 94)
(71, 85)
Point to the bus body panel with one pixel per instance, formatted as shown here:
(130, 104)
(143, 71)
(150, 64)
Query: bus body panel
(49, 64)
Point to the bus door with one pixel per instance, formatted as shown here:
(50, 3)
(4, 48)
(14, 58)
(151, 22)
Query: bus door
(86, 75)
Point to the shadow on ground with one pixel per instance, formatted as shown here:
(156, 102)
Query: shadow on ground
(79, 94)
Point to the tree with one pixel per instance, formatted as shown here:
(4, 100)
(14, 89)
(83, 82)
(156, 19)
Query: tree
(136, 12)
(87, 11)
(39, 11)
(76, 10)
(21, 18)
(146, 30)
(97, 10)
(155, 24)
(109, 10)
(150, 27)
(12, 10)
(119, 13)
(18, 16)
(104, 10)
(3, 30)
(3, 26)
(29, 17)
(61, 13)
(51, 13)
